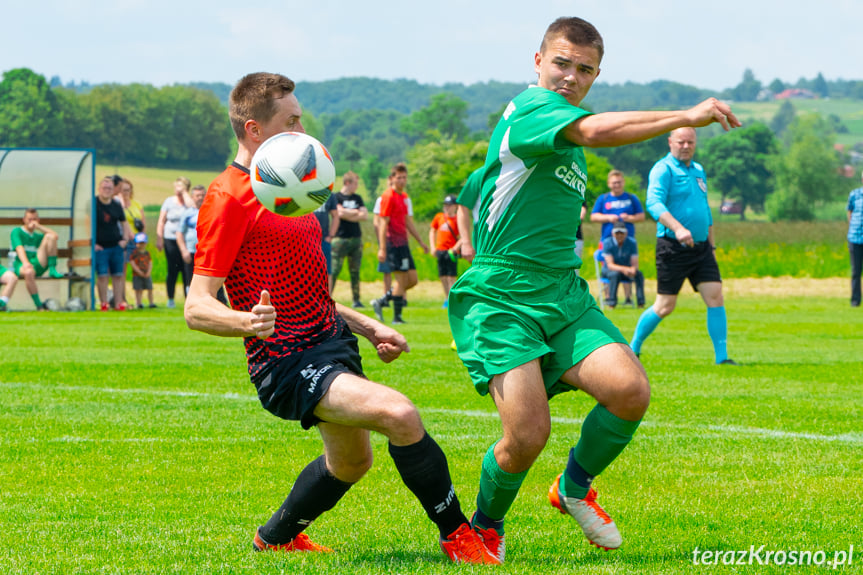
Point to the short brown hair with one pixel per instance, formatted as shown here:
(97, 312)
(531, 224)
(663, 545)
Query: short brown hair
(400, 168)
(350, 176)
(29, 211)
(614, 173)
(253, 98)
(577, 31)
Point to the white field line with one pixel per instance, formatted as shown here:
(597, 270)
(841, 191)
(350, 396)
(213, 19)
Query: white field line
(727, 430)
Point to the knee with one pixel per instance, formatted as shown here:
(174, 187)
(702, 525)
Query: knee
(523, 446)
(353, 467)
(663, 309)
(401, 422)
(633, 397)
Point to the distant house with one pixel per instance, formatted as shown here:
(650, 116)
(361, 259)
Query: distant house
(795, 94)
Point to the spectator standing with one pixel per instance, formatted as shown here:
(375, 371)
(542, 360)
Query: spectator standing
(133, 209)
(677, 200)
(35, 249)
(855, 241)
(348, 241)
(444, 236)
(617, 205)
(396, 222)
(187, 234)
(112, 229)
(142, 270)
(167, 227)
(621, 264)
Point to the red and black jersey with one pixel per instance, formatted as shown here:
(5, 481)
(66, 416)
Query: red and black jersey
(255, 250)
(394, 206)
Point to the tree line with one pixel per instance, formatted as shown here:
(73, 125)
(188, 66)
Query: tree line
(785, 167)
(126, 124)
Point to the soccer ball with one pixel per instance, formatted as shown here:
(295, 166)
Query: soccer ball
(292, 174)
(75, 304)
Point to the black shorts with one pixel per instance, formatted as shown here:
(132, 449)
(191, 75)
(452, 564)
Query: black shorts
(400, 259)
(676, 263)
(446, 264)
(296, 383)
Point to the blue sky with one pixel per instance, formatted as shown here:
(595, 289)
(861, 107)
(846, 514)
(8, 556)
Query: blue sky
(160, 42)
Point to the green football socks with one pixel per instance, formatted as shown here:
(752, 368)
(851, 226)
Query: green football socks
(52, 267)
(603, 438)
(497, 488)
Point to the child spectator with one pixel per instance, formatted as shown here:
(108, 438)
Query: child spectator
(142, 267)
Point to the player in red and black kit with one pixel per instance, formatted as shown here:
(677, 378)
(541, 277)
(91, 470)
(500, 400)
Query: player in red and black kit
(302, 353)
(396, 221)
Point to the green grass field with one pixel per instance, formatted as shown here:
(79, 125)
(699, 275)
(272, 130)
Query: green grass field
(129, 444)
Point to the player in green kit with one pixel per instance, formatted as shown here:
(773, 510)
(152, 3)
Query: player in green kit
(524, 323)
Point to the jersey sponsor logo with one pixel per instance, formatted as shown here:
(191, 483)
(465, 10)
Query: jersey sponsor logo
(573, 177)
(618, 204)
(313, 375)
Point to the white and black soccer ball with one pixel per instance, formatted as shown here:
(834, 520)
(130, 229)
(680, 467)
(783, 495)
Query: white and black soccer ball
(75, 304)
(292, 174)
(51, 305)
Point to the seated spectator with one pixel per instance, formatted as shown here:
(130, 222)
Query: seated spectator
(35, 248)
(8, 279)
(621, 264)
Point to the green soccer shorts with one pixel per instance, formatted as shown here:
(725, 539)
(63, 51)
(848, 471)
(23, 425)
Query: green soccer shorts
(504, 313)
(36, 266)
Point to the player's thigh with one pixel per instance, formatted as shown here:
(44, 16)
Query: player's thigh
(357, 402)
(613, 376)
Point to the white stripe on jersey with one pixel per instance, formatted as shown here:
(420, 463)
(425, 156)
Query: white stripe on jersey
(513, 175)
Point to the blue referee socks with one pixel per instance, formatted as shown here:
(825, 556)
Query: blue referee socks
(717, 328)
(646, 324)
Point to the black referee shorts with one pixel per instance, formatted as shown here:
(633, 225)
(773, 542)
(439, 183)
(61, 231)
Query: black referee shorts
(296, 383)
(676, 262)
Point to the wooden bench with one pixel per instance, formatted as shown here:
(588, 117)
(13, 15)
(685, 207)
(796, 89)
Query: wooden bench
(77, 282)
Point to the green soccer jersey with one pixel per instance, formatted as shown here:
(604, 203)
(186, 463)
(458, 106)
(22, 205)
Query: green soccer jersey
(469, 195)
(535, 182)
(31, 243)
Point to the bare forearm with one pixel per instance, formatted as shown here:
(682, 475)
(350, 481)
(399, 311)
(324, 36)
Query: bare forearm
(360, 324)
(670, 222)
(621, 128)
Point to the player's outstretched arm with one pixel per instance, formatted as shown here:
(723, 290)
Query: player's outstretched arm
(203, 312)
(621, 128)
(389, 343)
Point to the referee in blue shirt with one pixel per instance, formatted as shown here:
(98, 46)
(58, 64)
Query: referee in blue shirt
(677, 200)
(855, 242)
